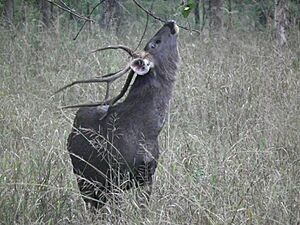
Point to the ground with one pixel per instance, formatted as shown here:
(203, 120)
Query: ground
(230, 147)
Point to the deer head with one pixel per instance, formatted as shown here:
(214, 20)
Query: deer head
(157, 54)
(164, 43)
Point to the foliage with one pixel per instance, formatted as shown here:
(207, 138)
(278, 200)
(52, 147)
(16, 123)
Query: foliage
(245, 14)
(188, 8)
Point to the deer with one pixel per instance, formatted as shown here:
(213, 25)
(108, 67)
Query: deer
(114, 146)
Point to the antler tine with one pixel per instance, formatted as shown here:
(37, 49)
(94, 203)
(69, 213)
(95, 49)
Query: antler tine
(125, 48)
(107, 102)
(106, 78)
(95, 80)
(82, 105)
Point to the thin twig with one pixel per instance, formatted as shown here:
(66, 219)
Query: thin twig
(71, 11)
(143, 35)
(87, 20)
(149, 13)
(146, 27)
(160, 19)
(65, 5)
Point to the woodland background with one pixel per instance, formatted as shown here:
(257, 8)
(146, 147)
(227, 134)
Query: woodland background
(114, 14)
(230, 147)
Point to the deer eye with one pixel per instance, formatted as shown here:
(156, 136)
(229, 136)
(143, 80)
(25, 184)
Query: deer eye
(152, 45)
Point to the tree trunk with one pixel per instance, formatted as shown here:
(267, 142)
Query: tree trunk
(111, 16)
(45, 10)
(52, 13)
(88, 16)
(203, 14)
(215, 15)
(281, 21)
(24, 11)
(229, 15)
(196, 12)
(8, 11)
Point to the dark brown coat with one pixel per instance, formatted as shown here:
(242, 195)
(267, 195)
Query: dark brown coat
(119, 148)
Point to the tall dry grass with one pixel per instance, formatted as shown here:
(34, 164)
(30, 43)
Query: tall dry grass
(230, 149)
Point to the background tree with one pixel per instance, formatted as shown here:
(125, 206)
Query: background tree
(196, 12)
(45, 11)
(215, 15)
(79, 7)
(235, 14)
(8, 11)
(281, 21)
(229, 5)
(111, 16)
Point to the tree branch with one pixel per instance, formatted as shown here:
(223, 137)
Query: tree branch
(87, 20)
(160, 19)
(146, 27)
(70, 11)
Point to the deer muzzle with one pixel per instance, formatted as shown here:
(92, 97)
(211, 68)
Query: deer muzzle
(173, 26)
(141, 66)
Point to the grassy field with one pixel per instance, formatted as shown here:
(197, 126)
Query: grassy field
(230, 148)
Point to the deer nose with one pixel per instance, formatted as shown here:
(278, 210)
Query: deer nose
(171, 21)
(172, 25)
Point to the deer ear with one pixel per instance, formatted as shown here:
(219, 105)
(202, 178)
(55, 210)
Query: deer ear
(141, 66)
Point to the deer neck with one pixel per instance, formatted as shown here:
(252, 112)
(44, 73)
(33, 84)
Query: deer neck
(159, 81)
(147, 102)
(151, 86)
(157, 85)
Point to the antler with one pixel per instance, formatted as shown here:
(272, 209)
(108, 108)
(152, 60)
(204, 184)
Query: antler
(107, 102)
(125, 48)
(139, 64)
(108, 78)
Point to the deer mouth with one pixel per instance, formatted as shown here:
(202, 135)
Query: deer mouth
(173, 26)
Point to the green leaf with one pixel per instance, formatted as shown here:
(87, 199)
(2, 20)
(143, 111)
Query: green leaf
(188, 8)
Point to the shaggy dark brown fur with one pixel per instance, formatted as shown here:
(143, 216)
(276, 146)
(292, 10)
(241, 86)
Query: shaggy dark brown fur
(119, 148)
